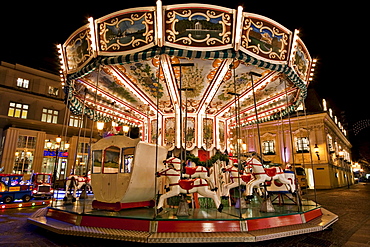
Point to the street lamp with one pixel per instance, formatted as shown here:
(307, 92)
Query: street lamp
(316, 149)
(58, 139)
(100, 125)
(48, 144)
(125, 129)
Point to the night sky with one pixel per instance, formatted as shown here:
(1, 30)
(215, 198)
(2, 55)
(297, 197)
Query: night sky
(335, 34)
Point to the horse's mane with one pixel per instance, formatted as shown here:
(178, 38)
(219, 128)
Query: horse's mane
(257, 156)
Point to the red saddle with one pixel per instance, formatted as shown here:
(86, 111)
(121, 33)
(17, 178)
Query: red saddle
(186, 184)
(270, 171)
(190, 170)
(246, 178)
(277, 183)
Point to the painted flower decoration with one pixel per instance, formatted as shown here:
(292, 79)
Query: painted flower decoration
(147, 79)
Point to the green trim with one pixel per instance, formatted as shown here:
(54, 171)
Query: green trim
(76, 105)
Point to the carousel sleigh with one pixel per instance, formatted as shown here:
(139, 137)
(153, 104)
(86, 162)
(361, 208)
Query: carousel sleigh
(122, 175)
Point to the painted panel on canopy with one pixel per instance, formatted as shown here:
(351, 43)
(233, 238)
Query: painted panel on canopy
(125, 31)
(221, 135)
(154, 129)
(125, 102)
(170, 133)
(265, 38)
(271, 89)
(189, 133)
(147, 80)
(196, 78)
(271, 98)
(110, 84)
(208, 134)
(202, 26)
(301, 61)
(223, 100)
(78, 49)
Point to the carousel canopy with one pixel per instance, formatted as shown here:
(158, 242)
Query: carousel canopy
(213, 67)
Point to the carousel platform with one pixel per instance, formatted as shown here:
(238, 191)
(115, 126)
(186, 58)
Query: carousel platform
(21, 204)
(202, 224)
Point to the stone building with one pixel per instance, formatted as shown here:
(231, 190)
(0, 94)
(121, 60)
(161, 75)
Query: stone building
(317, 142)
(33, 113)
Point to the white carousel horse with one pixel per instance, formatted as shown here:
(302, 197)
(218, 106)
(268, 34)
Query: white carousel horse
(192, 172)
(237, 177)
(185, 186)
(262, 175)
(84, 183)
(71, 185)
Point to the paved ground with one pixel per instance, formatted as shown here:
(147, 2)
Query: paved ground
(352, 229)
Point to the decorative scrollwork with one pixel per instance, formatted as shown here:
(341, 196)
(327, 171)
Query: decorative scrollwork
(265, 40)
(79, 49)
(126, 31)
(206, 27)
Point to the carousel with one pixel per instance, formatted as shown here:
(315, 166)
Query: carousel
(189, 79)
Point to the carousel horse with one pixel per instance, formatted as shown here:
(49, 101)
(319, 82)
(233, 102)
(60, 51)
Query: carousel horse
(71, 184)
(262, 175)
(237, 177)
(185, 186)
(192, 172)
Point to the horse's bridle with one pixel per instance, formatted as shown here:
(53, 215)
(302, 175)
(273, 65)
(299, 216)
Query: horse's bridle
(164, 172)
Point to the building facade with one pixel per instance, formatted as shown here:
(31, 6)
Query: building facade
(316, 142)
(33, 113)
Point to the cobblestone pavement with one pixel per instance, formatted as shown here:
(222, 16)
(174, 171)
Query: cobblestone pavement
(352, 228)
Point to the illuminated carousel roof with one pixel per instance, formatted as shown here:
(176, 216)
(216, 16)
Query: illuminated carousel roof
(136, 64)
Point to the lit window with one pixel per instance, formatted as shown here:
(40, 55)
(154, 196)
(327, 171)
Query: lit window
(302, 145)
(18, 110)
(331, 144)
(75, 121)
(24, 83)
(53, 91)
(268, 147)
(49, 116)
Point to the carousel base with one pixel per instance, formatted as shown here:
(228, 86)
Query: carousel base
(21, 204)
(202, 225)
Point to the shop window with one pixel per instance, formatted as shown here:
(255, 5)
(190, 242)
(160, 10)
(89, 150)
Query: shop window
(127, 160)
(302, 145)
(23, 161)
(49, 116)
(18, 110)
(24, 154)
(23, 83)
(268, 147)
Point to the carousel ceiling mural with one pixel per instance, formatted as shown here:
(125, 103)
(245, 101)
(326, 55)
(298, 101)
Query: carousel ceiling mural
(202, 65)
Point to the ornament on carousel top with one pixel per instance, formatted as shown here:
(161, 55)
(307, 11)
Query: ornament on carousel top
(143, 59)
